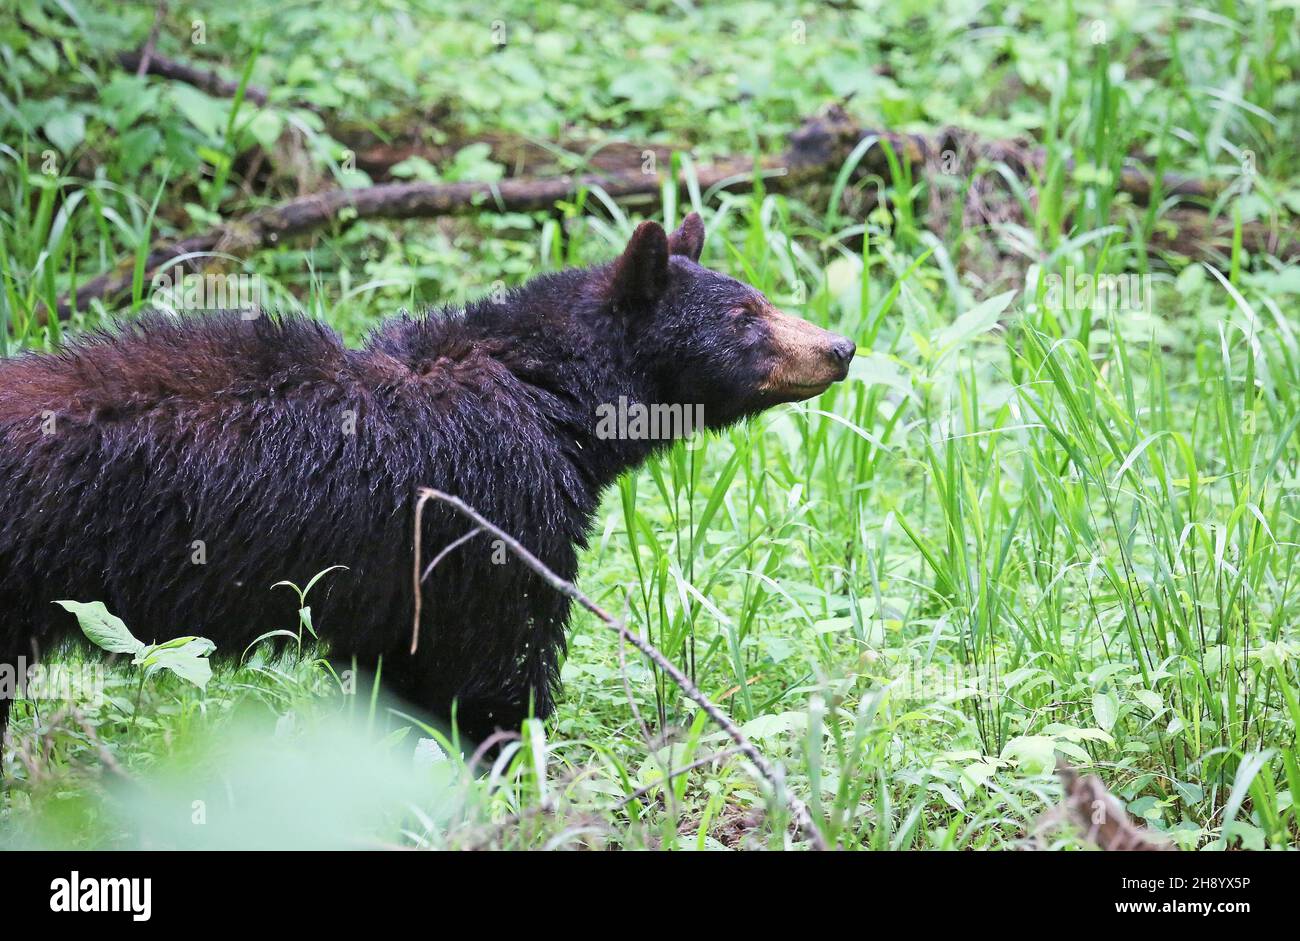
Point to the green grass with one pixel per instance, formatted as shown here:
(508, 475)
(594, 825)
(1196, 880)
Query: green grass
(1018, 532)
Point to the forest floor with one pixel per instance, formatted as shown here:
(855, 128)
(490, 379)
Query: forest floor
(1039, 522)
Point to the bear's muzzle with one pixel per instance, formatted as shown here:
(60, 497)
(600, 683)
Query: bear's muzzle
(808, 359)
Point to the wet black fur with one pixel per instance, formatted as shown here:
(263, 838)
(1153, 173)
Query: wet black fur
(232, 431)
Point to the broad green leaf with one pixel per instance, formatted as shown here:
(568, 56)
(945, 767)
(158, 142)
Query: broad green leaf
(187, 657)
(979, 319)
(1105, 709)
(65, 131)
(1075, 734)
(205, 113)
(771, 726)
(1246, 771)
(1151, 700)
(879, 369)
(1191, 794)
(1034, 753)
(103, 629)
(832, 625)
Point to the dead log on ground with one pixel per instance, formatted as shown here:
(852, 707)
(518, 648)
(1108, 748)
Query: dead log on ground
(828, 139)
(268, 227)
(207, 80)
(815, 149)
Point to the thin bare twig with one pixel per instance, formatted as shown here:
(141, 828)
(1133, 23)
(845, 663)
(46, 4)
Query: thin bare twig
(631, 699)
(486, 746)
(664, 766)
(415, 575)
(678, 772)
(419, 578)
(443, 554)
(771, 773)
(146, 54)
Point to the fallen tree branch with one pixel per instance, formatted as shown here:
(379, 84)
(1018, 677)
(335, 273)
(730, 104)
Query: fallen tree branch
(520, 155)
(826, 139)
(377, 155)
(147, 53)
(818, 145)
(831, 137)
(268, 227)
(766, 769)
(148, 62)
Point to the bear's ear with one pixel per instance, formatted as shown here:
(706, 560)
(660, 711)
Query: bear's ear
(689, 239)
(641, 272)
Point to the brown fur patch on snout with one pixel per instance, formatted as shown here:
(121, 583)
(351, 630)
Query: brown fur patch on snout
(808, 359)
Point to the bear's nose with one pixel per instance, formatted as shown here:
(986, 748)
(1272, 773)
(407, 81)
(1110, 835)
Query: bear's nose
(842, 350)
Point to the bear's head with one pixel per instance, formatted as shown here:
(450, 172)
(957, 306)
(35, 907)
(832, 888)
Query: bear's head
(703, 338)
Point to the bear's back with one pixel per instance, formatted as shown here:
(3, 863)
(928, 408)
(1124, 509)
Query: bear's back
(157, 359)
(179, 467)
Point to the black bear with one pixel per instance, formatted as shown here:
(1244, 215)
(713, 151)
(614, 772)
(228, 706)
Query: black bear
(175, 468)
